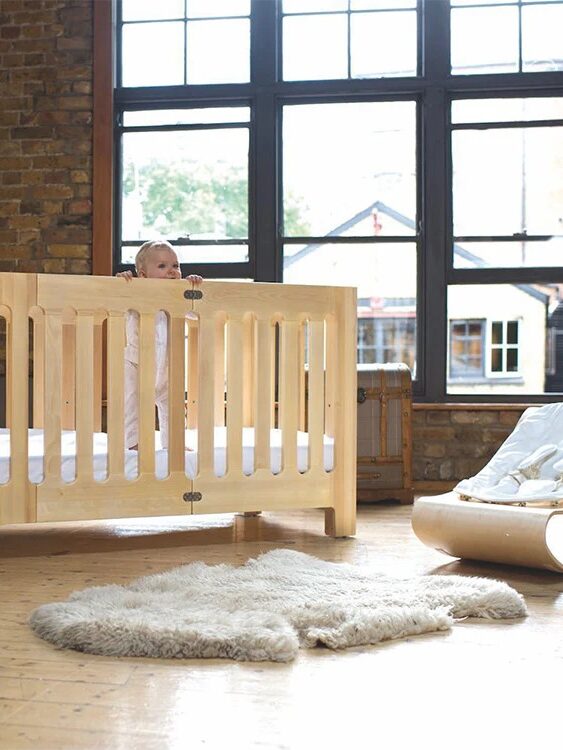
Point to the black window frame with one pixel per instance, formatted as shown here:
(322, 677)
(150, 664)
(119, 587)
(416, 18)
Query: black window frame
(434, 88)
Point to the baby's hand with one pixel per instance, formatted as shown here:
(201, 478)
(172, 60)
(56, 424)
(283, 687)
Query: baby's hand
(127, 275)
(195, 279)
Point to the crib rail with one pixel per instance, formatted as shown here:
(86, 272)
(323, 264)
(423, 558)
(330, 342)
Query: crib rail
(265, 356)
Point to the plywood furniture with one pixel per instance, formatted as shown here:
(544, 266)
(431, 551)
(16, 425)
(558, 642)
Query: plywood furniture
(530, 536)
(246, 347)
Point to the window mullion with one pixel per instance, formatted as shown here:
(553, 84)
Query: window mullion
(432, 311)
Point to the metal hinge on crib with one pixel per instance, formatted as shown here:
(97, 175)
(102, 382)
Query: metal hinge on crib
(191, 497)
(193, 294)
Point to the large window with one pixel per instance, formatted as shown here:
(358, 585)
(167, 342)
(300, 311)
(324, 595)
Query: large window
(409, 148)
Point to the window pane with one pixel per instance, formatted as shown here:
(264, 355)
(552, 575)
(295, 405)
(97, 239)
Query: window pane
(197, 254)
(542, 38)
(186, 116)
(520, 312)
(148, 10)
(307, 6)
(383, 44)
(204, 38)
(508, 181)
(512, 360)
(386, 297)
(315, 47)
(496, 333)
(349, 169)
(484, 40)
(512, 332)
(381, 4)
(140, 67)
(206, 9)
(496, 360)
(505, 110)
(466, 349)
(548, 253)
(482, 2)
(186, 183)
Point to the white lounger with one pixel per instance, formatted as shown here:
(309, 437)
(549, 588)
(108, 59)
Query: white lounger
(512, 510)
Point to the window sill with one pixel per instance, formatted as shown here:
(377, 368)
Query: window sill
(471, 406)
(492, 381)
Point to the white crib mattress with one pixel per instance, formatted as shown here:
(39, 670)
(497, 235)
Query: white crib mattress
(68, 451)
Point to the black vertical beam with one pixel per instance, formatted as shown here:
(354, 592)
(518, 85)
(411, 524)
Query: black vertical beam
(264, 150)
(434, 139)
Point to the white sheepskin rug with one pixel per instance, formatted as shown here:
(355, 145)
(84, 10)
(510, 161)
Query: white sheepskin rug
(266, 609)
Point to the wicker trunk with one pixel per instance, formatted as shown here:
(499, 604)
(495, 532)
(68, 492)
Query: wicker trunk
(385, 433)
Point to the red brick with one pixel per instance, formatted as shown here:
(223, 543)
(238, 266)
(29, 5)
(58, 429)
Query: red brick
(15, 251)
(68, 251)
(80, 175)
(80, 207)
(29, 222)
(32, 133)
(10, 178)
(9, 208)
(79, 266)
(10, 32)
(52, 207)
(52, 191)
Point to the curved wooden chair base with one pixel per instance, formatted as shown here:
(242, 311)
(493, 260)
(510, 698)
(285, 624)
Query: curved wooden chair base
(531, 536)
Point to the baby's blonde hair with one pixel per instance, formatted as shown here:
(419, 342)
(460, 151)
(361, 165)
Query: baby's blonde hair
(146, 249)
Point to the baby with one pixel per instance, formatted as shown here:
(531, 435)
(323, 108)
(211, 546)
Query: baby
(155, 260)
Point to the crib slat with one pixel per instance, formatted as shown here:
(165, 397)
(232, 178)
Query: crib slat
(205, 406)
(301, 374)
(263, 379)
(115, 395)
(289, 392)
(38, 368)
(16, 387)
(219, 375)
(53, 395)
(99, 322)
(146, 392)
(193, 383)
(68, 416)
(316, 394)
(249, 383)
(85, 401)
(176, 398)
(17, 503)
(234, 396)
(274, 383)
(331, 372)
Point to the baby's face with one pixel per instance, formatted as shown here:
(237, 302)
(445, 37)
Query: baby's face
(162, 263)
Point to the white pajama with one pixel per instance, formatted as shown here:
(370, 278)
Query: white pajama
(132, 377)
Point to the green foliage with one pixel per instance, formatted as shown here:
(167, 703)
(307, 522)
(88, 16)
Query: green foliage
(203, 200)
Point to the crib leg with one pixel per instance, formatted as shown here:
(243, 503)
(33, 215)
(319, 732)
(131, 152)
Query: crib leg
(339, 523)
(250, 513)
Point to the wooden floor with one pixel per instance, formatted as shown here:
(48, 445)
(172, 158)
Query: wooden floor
(483, 684)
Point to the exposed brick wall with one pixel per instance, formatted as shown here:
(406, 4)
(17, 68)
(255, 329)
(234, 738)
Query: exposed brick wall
(452, 444)
(46, 136)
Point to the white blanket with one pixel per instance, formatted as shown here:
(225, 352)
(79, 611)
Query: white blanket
(68, 450)
(528, 467)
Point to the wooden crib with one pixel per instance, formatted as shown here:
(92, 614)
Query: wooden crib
(256, 359)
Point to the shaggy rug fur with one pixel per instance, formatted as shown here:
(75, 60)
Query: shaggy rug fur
(265, 609)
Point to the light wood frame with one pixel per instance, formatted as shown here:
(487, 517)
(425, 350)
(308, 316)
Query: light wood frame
(232, 357)
(487, 531)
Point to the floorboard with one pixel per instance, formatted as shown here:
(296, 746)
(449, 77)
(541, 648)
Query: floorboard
(484, 683)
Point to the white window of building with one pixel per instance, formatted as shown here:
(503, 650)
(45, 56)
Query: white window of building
(503, 348)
